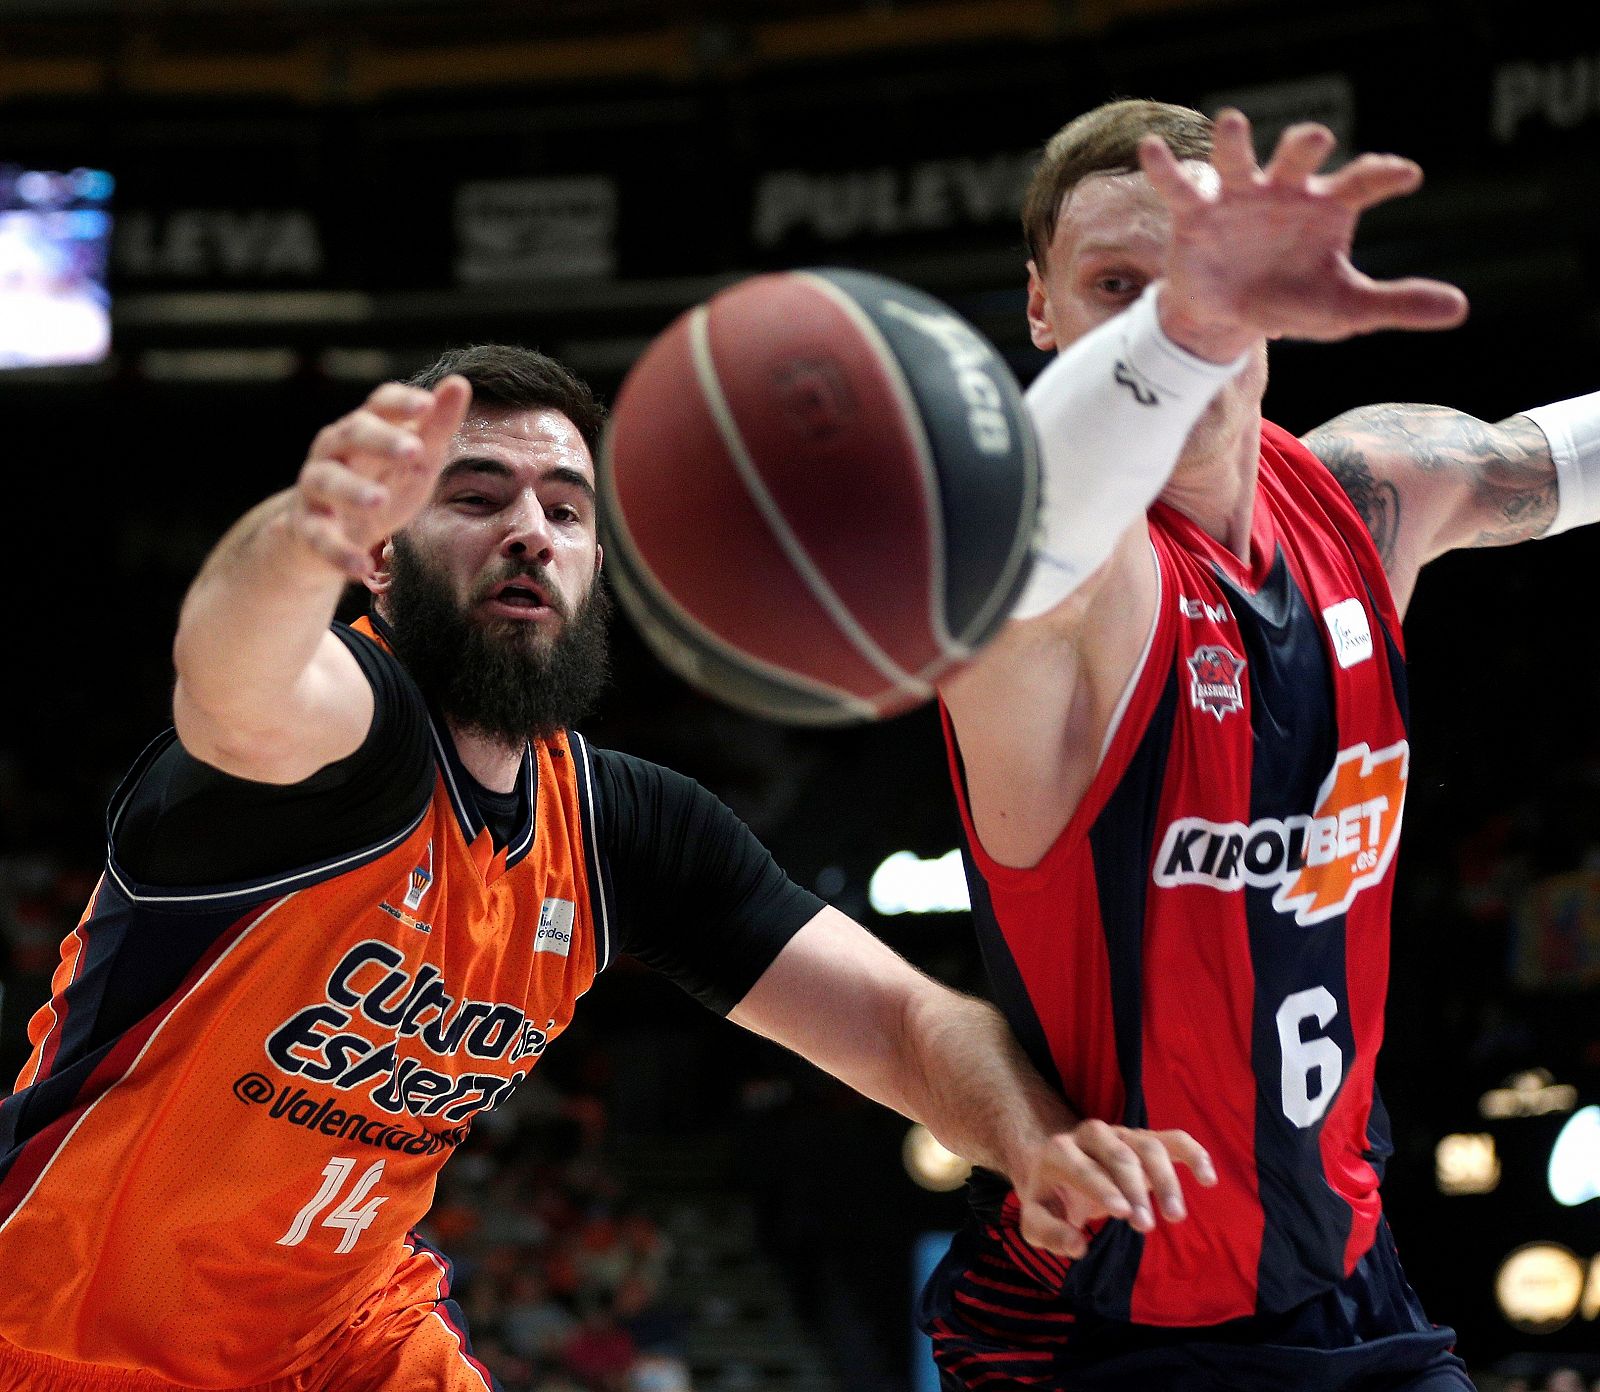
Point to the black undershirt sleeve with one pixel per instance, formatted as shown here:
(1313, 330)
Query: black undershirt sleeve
(187, 824)
(694, 894)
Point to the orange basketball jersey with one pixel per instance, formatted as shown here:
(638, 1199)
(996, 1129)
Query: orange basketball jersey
(208, 1190)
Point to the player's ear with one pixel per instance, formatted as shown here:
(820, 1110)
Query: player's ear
(599, 557)
(381, 576)
(1040, 328)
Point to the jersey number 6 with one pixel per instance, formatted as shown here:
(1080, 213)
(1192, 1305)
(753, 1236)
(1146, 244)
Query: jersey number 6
(1316, 1060)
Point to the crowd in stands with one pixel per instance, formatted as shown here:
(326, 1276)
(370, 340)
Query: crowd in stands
(562, 1278)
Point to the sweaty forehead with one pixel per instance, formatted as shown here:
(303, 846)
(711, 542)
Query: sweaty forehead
(544, 434)
(1119, 211)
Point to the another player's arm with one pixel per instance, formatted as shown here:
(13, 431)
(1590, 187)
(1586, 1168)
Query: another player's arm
(264, 689)
(1031, 713)
(842, 999)
(1427, 479)
(696, 896)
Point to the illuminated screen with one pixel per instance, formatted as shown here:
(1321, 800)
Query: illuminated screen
(55, 238)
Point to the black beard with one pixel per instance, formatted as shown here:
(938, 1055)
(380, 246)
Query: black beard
(503, 679)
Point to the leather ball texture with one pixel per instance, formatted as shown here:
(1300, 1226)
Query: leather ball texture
(818, 494)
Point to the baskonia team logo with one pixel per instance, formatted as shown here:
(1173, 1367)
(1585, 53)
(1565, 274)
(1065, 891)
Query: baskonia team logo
(1216, 680)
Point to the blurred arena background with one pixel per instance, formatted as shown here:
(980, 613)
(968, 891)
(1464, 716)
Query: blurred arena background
(306, 196)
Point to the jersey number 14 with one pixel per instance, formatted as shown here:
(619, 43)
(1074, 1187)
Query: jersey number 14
(352, 1216)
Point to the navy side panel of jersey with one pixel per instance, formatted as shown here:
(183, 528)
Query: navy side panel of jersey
(1122, 842)
(1005, 980)
(120, 979)
(602, 893)
(1296, 741)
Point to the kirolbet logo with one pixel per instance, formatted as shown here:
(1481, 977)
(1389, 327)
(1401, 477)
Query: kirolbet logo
(1316, 864)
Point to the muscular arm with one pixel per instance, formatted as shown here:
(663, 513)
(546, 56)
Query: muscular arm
(1033, 711)
(264, 690)
(697, 896)
(1427, 480)
(840, 998)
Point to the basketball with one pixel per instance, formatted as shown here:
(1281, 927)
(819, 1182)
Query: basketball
(818, 494)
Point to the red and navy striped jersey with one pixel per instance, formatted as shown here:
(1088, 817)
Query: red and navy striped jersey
(1206, 944)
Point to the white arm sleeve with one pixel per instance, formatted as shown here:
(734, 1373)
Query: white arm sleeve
(1111, 413)
(1573, 429)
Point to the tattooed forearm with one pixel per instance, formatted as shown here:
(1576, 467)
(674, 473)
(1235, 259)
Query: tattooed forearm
(1516, 484)
(1377, 500)
(1473, 484)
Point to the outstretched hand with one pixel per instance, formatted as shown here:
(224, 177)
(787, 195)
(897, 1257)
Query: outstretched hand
(1097, 1170)
(1267, 251)
(371, 471)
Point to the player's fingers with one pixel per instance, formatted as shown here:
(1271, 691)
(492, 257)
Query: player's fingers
(1185, 1150)
(1041, 1228)
(1168, 177)
(451, 399)
(1107, 1148)
(397, 402)
(1232, 155)
(1302, 150)
(1165, 1190)
(1373, 179)
(330, 486)
(1070, 1169)
(1413, 303)
(363, 434)
(325, 537)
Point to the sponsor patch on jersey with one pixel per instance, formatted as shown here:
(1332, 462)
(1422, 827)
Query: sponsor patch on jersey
(409, 919)
(555, 927)
(1216, 680)
(459, 1050)
(1315, 865)
(1350, 631)
(421, 879)
(1203, 609)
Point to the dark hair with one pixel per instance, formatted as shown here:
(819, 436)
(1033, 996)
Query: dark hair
(506, 377)
(1103, 141)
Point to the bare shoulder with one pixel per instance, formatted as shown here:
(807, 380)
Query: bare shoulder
(1030, 713)
(323, 718)
(1426, 479)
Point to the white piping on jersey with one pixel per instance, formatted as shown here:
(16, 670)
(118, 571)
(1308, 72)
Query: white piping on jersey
(139, 1058)
(521, 847)
(1138, 669)
(468, 815)
(464, 814)
(289, 882)
(810, 574)
(597, 891)
(413, 1247)
(461, 1348)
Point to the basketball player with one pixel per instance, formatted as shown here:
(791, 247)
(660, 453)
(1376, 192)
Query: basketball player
(355, 894)
(1181, 834)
